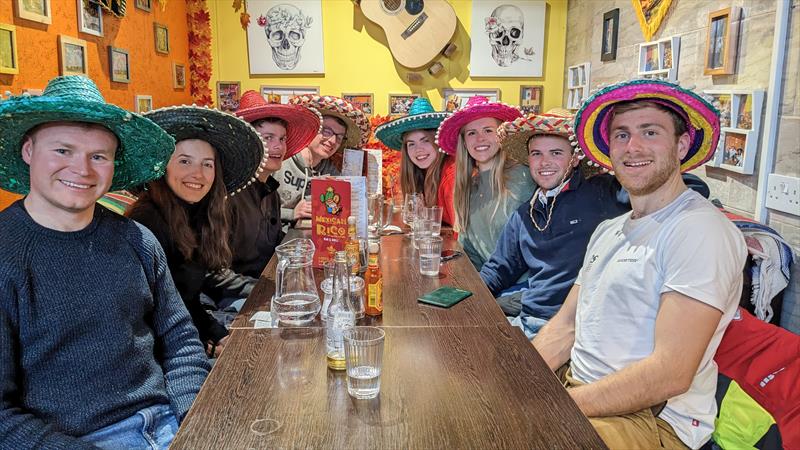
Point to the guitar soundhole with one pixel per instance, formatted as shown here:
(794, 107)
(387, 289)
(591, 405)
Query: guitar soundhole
(414, 7)
(391, 6)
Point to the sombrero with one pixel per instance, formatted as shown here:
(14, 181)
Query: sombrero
(238, 144)
(144, 148)
(477, 107)
(303, 123)
(514, 135)
(702, 119)
(421, 116)
(358, 128)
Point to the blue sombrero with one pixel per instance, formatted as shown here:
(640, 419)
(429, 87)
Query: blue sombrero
(421, 116)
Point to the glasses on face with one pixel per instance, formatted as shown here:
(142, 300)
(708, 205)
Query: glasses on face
(329, 133)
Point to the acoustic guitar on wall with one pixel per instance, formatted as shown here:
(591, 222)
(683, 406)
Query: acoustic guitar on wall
(417, 30)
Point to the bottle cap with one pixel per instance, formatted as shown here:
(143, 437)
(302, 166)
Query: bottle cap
(374, 247)
(351, 220)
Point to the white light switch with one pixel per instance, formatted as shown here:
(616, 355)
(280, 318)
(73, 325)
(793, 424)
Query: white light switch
(783, 193)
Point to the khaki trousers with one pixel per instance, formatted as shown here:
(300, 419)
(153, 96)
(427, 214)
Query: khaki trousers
(638, 430)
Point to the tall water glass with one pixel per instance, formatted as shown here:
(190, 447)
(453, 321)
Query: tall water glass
(430, 255)
(411, 206)
(421, 229)
(363, 353)
(434, 214)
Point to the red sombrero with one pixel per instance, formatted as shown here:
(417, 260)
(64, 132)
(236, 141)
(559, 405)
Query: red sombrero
(304, 123)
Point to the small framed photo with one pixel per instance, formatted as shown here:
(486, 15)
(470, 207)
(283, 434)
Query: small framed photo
(161, 34)
(733, 147)
(282, 94)
(659, 59)
(454, 99)
(608, 50)
(144, 4)
(90, 18)
(119, 65)
(578, 84)
(721, 42)
(744, 114)
(74, 60)
(144, 103)
(399, 104)
(364, 102)
(530, 99)
(35, 10)
(8, 49)
(228, 94)
(723, 103)
(178, 76)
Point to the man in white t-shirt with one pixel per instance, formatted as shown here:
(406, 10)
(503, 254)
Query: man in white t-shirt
(658, 285)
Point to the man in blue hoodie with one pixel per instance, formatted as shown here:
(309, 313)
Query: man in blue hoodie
(547, 236)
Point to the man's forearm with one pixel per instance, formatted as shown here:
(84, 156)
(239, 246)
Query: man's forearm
(554, 342)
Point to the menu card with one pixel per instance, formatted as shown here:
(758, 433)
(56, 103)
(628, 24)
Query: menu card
(333, 200)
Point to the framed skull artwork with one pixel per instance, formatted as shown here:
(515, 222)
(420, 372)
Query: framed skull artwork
(285, 37)
(507, 38)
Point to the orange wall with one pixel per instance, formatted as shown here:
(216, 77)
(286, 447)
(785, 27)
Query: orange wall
(150, 72)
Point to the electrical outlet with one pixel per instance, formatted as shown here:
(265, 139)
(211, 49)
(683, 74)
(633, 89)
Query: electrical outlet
(783, 193)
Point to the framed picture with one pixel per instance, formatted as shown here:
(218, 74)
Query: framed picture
(454, 99)
(530, 99)
(228, 94)
(659, 59)
(119, 65)
(8, 49)
(578, 84)
(282, 94)
(721, 41)
(399, 104)
(285, 37)
(178, 76)
(74, 60)
(143, 4)
(35, 10)
(608, 51)
(364, 102)
(144, 103)
(740, 128)
(90, 18)
(161, 34)
(507, 38)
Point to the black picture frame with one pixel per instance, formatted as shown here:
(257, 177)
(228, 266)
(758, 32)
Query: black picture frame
(610, 35)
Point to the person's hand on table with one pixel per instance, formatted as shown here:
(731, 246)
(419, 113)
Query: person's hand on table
(302, 210)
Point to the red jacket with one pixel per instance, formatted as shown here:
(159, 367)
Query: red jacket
(445, 194)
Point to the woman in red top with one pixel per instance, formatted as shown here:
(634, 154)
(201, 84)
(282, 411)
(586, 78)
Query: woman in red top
(423, 168)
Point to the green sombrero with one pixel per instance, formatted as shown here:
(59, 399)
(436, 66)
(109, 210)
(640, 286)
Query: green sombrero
(421, 116)
(144, 148)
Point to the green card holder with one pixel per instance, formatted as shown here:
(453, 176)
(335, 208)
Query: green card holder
(445, 296)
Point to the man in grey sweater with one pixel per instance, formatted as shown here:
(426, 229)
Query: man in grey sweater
(96, 346)
(343, 126)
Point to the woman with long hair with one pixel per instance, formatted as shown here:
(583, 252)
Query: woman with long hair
(488, 186)
(216, 154)
(423, 168)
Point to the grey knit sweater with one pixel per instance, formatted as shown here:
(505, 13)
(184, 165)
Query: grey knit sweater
(91, 330)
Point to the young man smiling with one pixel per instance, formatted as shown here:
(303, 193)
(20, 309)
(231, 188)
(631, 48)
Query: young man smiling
(343, 126)
(87, 357)
(658, 285)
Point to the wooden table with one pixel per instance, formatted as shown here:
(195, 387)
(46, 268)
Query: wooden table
(402, 286)
(441, 388)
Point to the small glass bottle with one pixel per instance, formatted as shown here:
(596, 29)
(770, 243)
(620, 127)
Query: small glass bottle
(353, 247)
(341, 314)
(374, 280)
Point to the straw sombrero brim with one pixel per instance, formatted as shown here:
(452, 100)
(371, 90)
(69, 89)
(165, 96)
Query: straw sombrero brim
(143, 152)
(391, 133)
(238, 144)
(447, 135)
(303, 123)
(358, 127)
(591, 120)
(514, 135)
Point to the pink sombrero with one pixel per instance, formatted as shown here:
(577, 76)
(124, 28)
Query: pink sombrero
(514, 135)
(476, 108)
(304, 123)
(702, 119)
(358, 127)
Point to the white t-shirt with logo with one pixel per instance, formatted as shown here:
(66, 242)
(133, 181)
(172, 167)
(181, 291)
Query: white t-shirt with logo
(687, 247)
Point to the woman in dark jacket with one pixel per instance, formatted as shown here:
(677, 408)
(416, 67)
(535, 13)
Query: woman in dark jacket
(216, 154)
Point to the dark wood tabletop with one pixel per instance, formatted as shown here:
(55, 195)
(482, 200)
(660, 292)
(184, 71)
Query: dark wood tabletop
(441, 387)
(402, 286)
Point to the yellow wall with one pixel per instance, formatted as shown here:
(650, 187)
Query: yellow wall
(357, 59)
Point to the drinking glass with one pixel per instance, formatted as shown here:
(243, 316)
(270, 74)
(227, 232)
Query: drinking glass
(411, 206)
(421, 229)
(363, 353)
(434, 214)
(430, 255)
